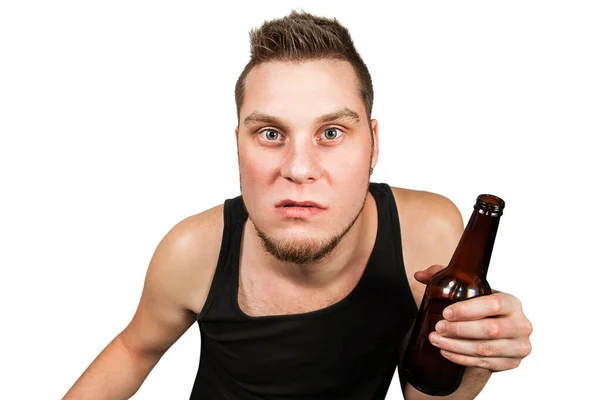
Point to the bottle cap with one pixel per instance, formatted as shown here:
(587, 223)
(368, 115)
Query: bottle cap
(489, 204)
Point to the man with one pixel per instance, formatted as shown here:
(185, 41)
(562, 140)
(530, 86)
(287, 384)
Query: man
(314, 286)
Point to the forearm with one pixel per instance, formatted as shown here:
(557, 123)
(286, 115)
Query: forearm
(115, 374)
(472, 383)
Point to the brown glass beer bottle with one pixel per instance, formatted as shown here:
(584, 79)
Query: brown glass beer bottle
(465, 277)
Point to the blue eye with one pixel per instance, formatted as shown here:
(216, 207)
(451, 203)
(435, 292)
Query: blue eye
(270, 135)
(331, 133)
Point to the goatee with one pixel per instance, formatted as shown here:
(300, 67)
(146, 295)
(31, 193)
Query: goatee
(305, 251)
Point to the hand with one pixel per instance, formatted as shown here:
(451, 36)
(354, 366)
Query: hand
(488, 332)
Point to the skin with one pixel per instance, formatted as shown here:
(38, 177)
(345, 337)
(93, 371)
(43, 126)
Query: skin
(287, 150)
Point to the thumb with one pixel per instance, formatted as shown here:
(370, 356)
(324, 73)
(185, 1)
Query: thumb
(426, 275)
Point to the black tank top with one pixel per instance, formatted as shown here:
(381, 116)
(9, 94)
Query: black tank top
(348, 350)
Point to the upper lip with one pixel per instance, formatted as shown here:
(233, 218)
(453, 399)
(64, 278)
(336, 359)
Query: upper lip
(296, 203)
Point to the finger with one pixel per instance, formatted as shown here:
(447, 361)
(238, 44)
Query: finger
(502, 348)
(496, 304)
(486, 328)
(494, 364)
(426, 275)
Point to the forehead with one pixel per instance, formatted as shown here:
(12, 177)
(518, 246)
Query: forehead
(301, 90)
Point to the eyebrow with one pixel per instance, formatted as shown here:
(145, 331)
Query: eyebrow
(344, 114)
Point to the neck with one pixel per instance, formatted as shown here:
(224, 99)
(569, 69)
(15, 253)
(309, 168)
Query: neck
(352, 251)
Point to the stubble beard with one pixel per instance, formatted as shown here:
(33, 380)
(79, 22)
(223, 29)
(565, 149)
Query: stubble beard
(305, 251)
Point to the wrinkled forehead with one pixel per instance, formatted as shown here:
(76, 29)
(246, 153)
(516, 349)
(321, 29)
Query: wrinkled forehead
(302, 91)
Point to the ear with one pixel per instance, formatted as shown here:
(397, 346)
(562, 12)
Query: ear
(375, 130)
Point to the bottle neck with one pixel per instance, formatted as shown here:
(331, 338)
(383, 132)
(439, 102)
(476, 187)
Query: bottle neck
(474, 251)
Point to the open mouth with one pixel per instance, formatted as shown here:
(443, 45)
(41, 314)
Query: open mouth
(299, 204)
(299, 210)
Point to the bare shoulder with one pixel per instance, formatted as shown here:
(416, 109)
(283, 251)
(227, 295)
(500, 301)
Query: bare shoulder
(432, 209)
(431, 226)
(186, 258)
(176, 285)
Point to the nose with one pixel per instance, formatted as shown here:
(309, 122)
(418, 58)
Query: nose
(302, 162)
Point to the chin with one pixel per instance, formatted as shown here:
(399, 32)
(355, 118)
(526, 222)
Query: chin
(299, 235)
(297, 249)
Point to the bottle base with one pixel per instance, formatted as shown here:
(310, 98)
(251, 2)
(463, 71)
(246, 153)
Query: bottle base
(423, 387)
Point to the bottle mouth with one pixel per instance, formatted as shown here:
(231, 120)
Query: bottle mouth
(488, 203)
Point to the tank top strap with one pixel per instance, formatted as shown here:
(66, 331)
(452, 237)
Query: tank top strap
(390, 234)
(237, 210)
(234, 216)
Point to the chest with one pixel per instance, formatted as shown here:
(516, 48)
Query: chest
(262, 296)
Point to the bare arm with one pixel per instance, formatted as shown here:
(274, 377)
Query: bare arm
(175, 289)
(116, 373)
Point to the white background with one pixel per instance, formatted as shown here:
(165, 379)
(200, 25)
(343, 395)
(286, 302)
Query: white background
(117, 121)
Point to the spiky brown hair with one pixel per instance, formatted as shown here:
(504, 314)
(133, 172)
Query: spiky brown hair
(301, 36)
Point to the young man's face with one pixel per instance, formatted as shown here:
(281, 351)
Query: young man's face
(305, 152)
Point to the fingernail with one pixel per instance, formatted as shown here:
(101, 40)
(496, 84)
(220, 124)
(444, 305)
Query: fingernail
(440, 327)
(434, 338)
(448, 313)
